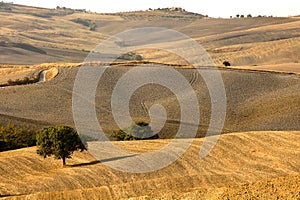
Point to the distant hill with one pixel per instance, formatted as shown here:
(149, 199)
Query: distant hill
(67, 35)
(161, 14)
(257, 155)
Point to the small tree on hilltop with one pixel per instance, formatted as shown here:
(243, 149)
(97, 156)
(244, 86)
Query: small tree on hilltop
(60, 141)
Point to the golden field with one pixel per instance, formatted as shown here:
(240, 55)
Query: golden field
(256, 157)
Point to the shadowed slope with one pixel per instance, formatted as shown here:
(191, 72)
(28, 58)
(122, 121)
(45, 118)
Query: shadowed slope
(255, 101)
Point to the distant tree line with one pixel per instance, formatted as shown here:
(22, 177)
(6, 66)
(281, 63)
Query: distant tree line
(12, 137)
(5, 6)
(59, 141)
(72, 10)
(62, 141)
(249, 16)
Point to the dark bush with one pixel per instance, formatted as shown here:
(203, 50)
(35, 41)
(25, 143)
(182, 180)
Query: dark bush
(92, 26)
(86, 22)
(137, 131)
(226, 64)
(12, 137)
(131, 56)
(23, 81)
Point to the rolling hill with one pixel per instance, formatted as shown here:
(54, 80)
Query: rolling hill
(259, 165)
(255, 101)
(257, 156)
(49, 35)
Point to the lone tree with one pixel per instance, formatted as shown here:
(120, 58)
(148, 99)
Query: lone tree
(60, 141)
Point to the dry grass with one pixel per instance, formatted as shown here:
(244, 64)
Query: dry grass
(13, 73)
(51, 73)
(263, 165)
(253, 41)
(284, 68)
(242, 165)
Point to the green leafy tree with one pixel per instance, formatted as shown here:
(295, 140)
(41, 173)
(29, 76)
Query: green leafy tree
(60, 141)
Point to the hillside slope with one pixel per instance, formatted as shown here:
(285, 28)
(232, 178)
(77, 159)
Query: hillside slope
(49, 35)
(255, 101)
(237, 167)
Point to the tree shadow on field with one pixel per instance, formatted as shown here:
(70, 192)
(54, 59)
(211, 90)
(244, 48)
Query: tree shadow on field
(102, 161)
(10, 195)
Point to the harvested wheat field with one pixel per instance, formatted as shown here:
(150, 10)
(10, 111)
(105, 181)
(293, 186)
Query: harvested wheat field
(251, 165)
(292, 68)
(256, 101)
(52, 39)
(43, 51)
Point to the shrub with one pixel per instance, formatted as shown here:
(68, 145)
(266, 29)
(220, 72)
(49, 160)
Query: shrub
(131, 56)
(23, 81)
(137, 131)
(121, 135)
(86, 22)
(12, 137)
(226, 64)
(92, 26)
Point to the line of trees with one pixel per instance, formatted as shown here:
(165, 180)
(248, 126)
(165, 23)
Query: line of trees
(249, 16)
(12, 137)
(62, 141)
(59, 141)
